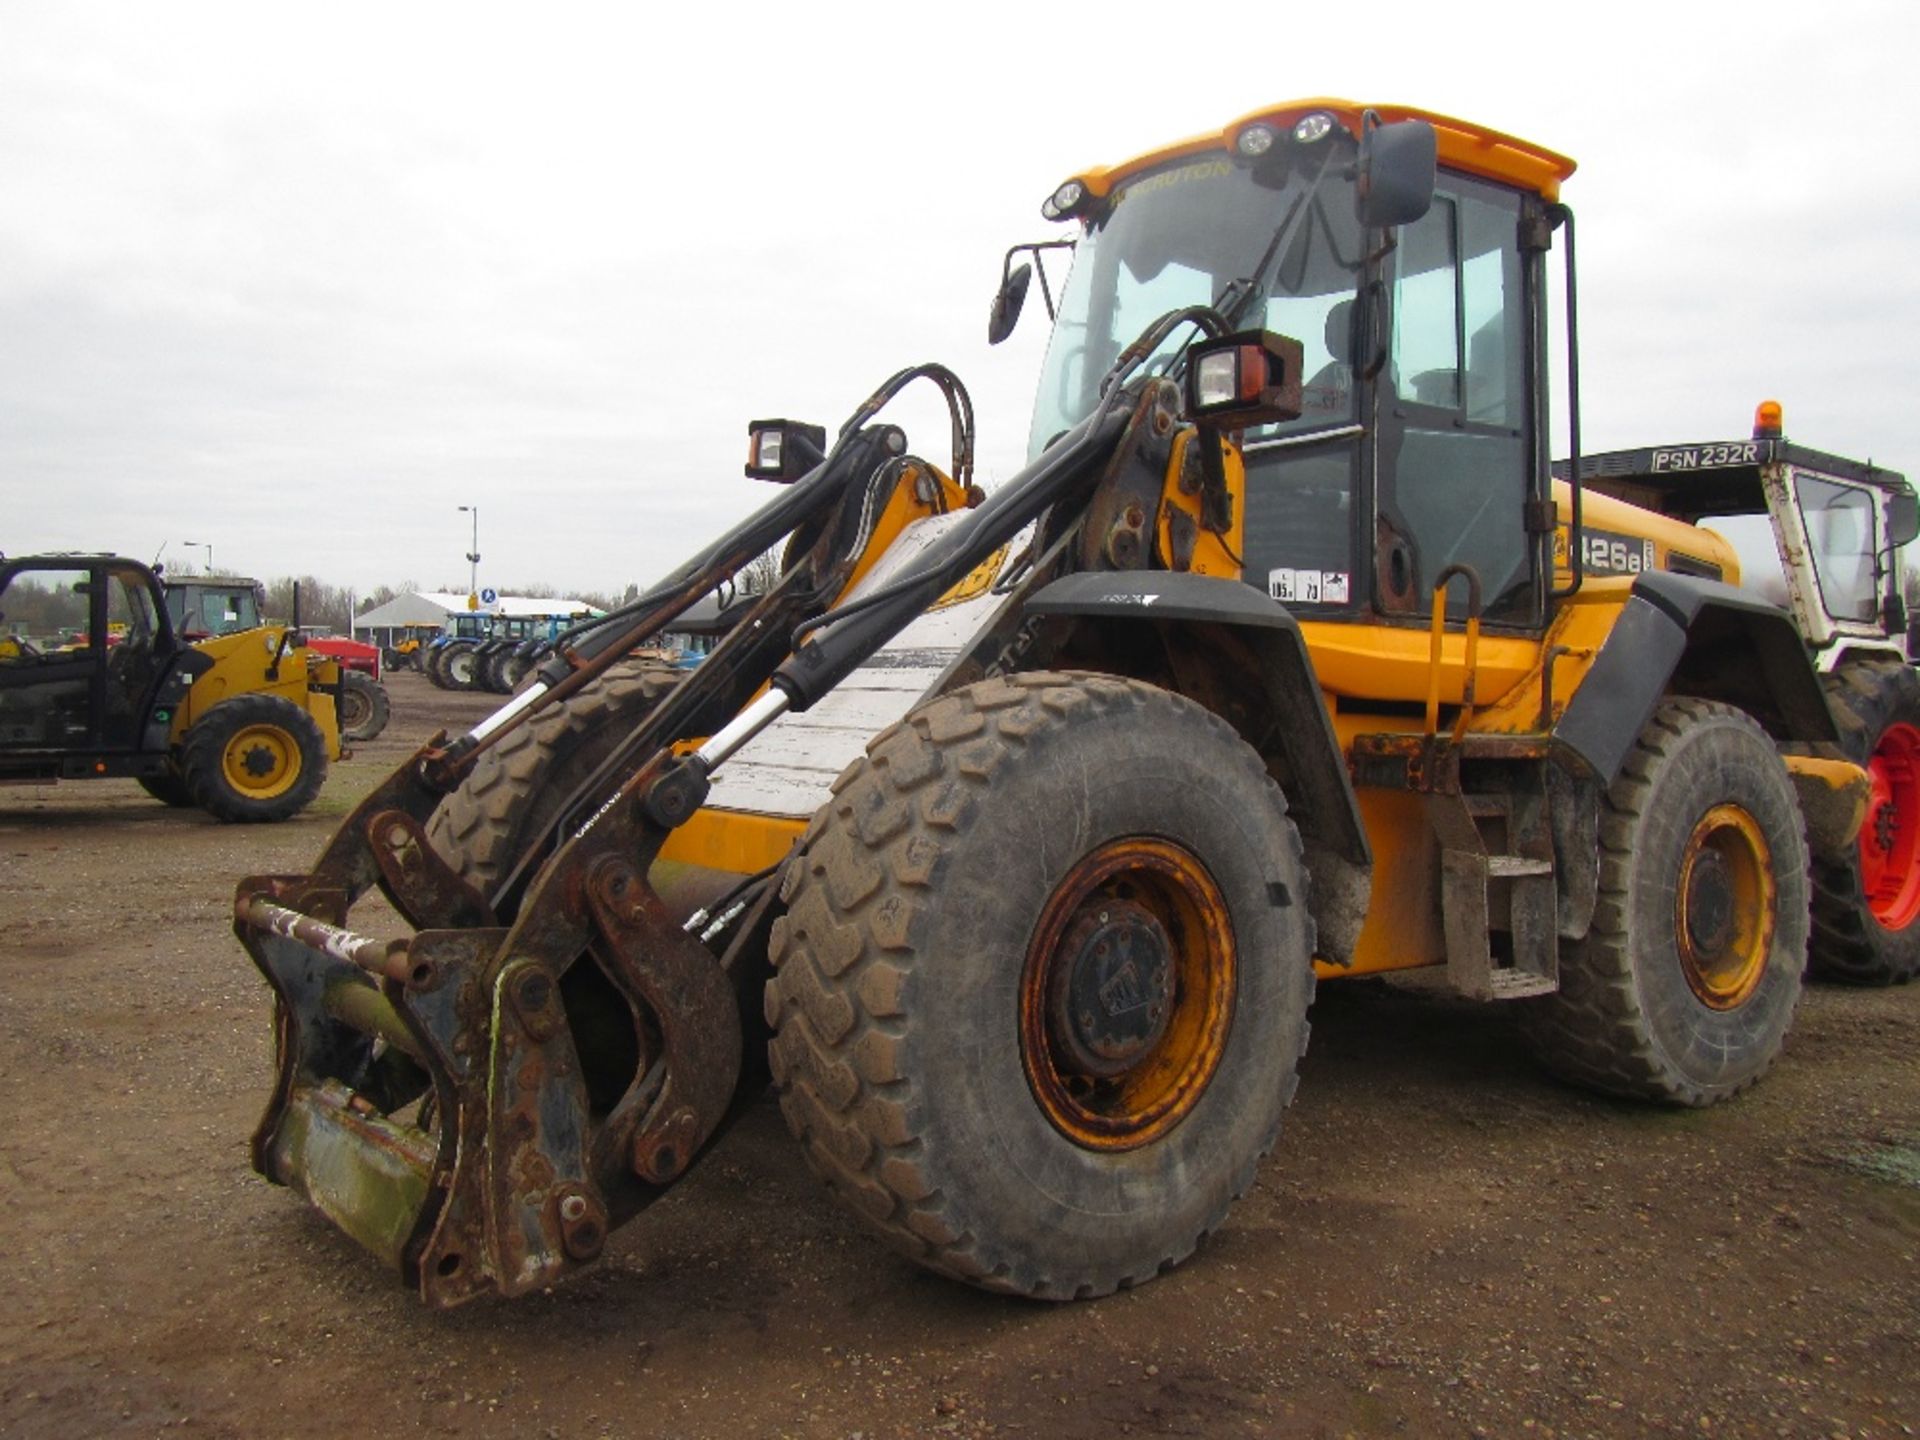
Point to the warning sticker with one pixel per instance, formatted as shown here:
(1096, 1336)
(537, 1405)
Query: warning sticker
(1309, 587)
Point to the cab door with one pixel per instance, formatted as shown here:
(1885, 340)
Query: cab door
(83, 647)
(1456, 462)
(52, 659)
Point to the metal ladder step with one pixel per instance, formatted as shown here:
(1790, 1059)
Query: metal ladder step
(1508, 867)
(1519, 984)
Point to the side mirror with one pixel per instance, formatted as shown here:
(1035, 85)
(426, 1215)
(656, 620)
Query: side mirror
(1005, 313)
(1903, 518)
(1396, 173)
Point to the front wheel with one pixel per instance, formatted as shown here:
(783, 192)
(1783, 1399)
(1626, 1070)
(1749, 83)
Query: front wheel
(1686, 983)
(1866, 897)
(254, 758)
(1042, 983)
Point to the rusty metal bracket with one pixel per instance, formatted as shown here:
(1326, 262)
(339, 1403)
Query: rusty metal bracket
(655, 963)
(421, 885)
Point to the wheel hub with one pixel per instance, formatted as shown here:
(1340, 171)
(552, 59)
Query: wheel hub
(1890, 838)
(1126, 996)
(1724, 907)
(1709, 905)
(1113, 994)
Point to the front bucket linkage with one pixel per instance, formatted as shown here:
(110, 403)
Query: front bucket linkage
(430, 1098)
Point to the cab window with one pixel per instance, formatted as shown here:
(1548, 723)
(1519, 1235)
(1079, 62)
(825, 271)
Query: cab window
(1454, 412)
(1840, 533)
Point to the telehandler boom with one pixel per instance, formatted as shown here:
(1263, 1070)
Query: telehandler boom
(1014, 830)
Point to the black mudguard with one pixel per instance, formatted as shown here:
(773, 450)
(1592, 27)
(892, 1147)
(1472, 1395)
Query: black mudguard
(1681, 635)
(1192, 610)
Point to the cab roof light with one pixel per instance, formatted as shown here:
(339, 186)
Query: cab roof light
(1255, 140)
(1768, 421)
(1066, 202)
(783, 450)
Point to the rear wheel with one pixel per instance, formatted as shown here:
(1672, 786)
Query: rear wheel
(168, 789)
(1866, 897)
(1685, 985)
(1042, 982)
(364, 706)
(254, 758)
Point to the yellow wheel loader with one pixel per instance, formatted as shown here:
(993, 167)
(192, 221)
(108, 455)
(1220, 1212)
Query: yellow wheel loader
(241, 725)
(1009, 834)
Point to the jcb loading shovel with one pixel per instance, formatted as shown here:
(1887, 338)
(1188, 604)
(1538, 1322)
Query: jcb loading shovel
(439, 1097)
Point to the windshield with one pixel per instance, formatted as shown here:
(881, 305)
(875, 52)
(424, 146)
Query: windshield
(212, 610)
(1182, 235)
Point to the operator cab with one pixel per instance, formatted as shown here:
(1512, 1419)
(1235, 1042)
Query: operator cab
(202, 606)
(1815, 533)
(87, 647)
(1421, 438)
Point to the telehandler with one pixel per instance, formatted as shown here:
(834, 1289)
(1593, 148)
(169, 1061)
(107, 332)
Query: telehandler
(240, 724)
(202, 606)
(1014, 830)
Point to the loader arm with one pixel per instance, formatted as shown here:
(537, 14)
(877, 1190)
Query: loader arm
(432, 1097)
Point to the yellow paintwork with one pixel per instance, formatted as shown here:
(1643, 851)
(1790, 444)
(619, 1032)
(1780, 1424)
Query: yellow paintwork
(904, 507)
(1462, 145)
(240, 668)
(1670, 537)
(1210, 556)
(733, 840)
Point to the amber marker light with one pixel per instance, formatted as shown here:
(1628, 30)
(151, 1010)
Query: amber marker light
(1767, 420)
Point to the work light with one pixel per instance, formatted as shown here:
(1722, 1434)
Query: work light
(783, 450)
(1250, 378)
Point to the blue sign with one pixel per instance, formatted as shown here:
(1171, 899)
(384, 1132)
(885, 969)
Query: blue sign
(489, 596)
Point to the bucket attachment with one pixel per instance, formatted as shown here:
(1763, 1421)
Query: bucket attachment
(474, 1104)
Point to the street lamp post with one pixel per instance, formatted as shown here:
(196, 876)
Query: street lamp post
(473, 555)
(205, 545)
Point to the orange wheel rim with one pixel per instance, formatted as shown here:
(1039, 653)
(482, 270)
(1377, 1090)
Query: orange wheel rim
(1724, 907)
(1126, 996)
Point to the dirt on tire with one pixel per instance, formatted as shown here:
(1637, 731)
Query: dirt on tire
(1444, 1242)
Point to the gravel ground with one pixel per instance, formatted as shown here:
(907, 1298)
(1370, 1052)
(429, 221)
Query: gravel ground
(1445, 1243)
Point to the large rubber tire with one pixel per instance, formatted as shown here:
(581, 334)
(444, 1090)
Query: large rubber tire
(434, 665)
(1686, 984)
(254, 758)
(922, 1053)
(517, 787)
(364, 706)
(1866, 898)
(460, 668)
(169, 789)
(496, 672)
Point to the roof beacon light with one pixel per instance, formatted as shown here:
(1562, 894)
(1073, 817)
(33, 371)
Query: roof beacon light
(1063, 202)
(1767, 421)
(1310, 128)
(1255, 140)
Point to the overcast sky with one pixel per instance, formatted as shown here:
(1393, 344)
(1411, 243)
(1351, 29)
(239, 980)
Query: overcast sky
(298, 281)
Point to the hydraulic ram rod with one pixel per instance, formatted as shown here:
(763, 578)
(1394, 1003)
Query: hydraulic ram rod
(387, 958)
